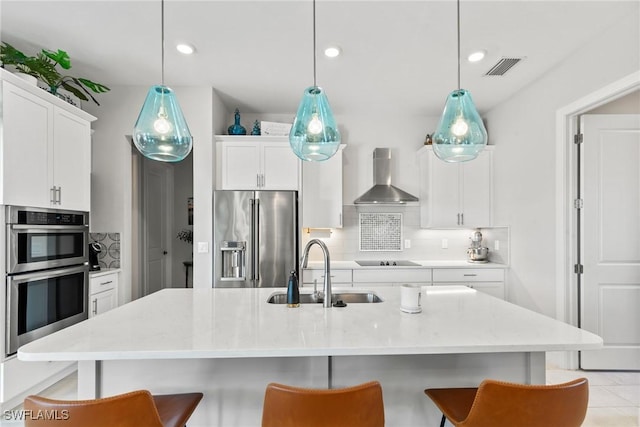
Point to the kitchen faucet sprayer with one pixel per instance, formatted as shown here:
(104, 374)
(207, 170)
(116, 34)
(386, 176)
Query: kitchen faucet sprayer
(327, 269)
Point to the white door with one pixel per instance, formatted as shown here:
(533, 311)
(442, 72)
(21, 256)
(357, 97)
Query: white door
(610, 294)
(72, 160)
(279, 167)
(156, 192)
(477, 185)
(240, 166)
(27, 132)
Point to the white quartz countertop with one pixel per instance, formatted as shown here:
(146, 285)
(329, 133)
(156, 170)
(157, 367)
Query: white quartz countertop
(229, 323)
(352, 265)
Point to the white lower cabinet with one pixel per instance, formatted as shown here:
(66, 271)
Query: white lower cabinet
(487, 280)
(395, 277)
(103, 293)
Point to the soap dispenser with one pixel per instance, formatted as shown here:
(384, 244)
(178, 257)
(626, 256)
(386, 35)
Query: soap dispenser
(293, 293)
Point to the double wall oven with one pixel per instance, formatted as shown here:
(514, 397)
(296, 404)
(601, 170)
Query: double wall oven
(47, 272)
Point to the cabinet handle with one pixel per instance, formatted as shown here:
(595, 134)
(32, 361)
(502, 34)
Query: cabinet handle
(106, 283)
(462, 219)
(340, 218)
(59, 195)
(470, 275)
(458, 219)
(258, 180)
(262, 179)
(53, 194)
(95, 306)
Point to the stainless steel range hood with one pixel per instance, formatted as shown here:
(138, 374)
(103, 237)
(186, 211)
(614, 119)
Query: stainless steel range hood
(382, 191)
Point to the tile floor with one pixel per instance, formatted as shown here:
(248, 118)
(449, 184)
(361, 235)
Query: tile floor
(614, 397)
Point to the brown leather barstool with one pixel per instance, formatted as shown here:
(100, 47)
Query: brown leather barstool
(502, 404)
(135, 409)
(357, 406)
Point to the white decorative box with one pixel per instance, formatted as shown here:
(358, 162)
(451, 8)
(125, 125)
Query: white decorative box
(275, 128)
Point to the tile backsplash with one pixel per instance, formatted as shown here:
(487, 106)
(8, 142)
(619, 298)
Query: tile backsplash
(109, 257)
(424, 244)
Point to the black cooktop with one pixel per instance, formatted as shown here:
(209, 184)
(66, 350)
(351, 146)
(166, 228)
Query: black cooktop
(390, 263)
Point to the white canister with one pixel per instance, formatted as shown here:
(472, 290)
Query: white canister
(410, 298)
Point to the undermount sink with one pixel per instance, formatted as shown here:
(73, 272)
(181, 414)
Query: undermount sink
(346, 297)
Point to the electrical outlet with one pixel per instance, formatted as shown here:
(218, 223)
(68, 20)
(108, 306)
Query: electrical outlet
(203, 247)
(445, 243)
(496, 245)
(407, 243)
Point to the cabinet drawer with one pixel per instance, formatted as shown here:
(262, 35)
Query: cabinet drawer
(468, 275)
(103, 283)
(337, 276)
(417, 275)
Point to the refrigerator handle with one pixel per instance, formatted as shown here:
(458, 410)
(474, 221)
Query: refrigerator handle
(255, 242)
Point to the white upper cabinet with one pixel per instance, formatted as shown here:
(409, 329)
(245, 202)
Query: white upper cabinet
(71, 160)
(322, 193)
(46, 149)
(257, 163)
(456, 194)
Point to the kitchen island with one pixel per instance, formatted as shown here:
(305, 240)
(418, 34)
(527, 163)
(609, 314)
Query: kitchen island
(229, 343)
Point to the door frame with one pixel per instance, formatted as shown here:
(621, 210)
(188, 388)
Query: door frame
(566, 181)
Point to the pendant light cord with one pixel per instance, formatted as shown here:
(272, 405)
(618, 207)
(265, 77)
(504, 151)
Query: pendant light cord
(314, 44)
(162, 36)
(458, 18)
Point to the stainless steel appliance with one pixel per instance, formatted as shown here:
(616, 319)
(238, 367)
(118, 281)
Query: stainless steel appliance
(255, 238)
(47, 276)
(38, 239)
(94, 250)
(477, 253)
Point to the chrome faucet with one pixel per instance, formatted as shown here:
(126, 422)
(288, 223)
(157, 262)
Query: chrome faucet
(327, 270)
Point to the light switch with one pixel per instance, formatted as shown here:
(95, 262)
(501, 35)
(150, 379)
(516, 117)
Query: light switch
(203, 247)
(407, 243)
(445, 243)
(496, 245)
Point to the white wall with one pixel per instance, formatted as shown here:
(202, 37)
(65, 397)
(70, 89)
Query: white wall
(111, 159)
(203, 184)
(182, 190)
(523, 129)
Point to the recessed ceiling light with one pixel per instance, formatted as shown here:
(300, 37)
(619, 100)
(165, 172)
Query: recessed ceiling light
(332, 51)
(476, 56)
(185, 48)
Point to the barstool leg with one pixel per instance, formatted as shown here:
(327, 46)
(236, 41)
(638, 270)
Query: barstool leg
(444, 419)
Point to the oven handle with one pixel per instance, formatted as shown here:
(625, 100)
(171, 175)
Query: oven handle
(50, 273)
(40, 228)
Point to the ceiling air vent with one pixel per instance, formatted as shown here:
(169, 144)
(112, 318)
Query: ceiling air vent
(502, 66)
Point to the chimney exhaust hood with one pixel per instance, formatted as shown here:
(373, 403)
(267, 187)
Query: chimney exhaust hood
(382, 191)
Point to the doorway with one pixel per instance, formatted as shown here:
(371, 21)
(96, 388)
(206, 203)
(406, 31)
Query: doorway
(161, 197)
(567, 280)
(608, 244)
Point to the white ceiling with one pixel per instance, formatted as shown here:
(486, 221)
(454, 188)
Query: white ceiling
(397, 55)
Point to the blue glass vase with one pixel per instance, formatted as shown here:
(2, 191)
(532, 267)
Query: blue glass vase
(314, 135)
(236, 128)
(461, 134)
(161, 132)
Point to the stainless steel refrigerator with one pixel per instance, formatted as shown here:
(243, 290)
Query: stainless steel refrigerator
(255, 238)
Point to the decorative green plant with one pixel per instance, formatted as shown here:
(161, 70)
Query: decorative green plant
(43, 67)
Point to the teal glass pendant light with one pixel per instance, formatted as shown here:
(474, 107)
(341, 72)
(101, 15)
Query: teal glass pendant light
(460, 135)
(161, 132)
(314, 135)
